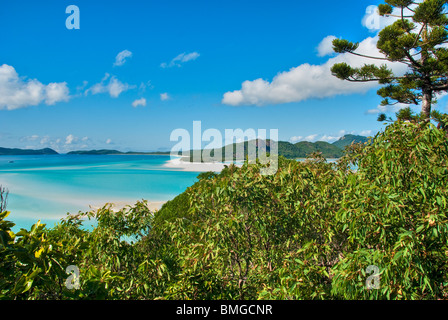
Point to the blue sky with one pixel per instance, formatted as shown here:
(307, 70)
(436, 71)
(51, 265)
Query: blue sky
(182, 61)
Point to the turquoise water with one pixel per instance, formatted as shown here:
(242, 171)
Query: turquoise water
(47, 187)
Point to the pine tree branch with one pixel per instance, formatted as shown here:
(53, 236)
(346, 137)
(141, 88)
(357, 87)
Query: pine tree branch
(365, 56)
(418, 37)
(412, 60)
(373, 80)
(402, 21)
(383, 59)
(440, 87)
(395, 103)
(409, 8)
(396, 16)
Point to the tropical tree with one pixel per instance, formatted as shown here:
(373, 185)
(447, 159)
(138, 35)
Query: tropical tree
(416, 39)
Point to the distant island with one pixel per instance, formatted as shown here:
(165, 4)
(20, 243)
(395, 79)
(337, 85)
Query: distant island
(19, 152)
(348, 139)
(287, 149)
(48, 151)
(329, 150)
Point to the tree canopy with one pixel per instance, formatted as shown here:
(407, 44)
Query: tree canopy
(418, 39)
(313, 230)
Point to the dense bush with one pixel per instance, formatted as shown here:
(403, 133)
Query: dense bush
(310, 231)
(395, 215)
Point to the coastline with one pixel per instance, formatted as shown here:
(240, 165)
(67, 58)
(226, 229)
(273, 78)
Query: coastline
(37, 190)
(177, 163)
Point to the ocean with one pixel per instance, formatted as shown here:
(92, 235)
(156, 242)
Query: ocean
(47, 187)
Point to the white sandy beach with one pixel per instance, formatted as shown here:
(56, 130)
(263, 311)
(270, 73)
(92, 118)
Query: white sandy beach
(194, 166)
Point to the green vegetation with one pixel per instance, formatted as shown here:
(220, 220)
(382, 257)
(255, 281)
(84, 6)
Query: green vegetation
(417, 40)
(348, 139)
(286, 149)
(9, 152)
(310, 231)
(304, 148)
(289, 150)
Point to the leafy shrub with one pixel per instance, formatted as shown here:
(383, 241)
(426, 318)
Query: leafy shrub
(309, 231)
(395, 215)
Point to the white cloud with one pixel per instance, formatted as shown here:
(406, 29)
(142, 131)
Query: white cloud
(120, 59)
(316, 81)
(139, 102)
(330, 138)
(70, 139)
(83, 86)
(325, 47)
(56, 92)
(33, 137)
(180, 59)
(114, 87)
(344, 132)
(17, 92)
(311, 138)
(187, 57)
(388, 109)
(366, 133)
(66, 144)
(45, 140)
(309, 81)
(164, 96)
(296, 139)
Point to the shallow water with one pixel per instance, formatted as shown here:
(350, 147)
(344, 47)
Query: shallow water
(47, 187)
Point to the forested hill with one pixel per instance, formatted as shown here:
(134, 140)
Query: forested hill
(287, 149)
(295, 150)
(304, 148)
(15, 151)
(348, 139)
